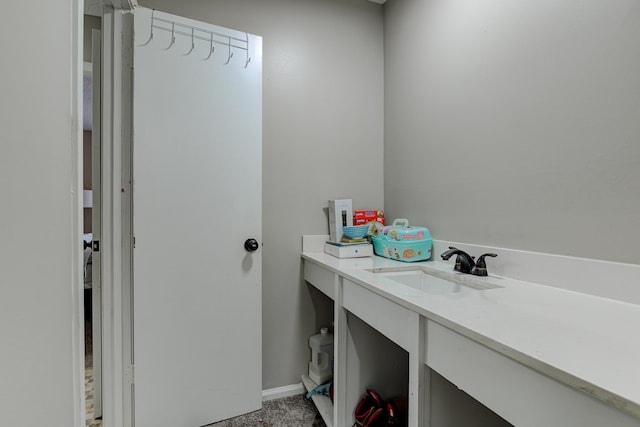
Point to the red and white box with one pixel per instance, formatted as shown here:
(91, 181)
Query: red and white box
(361, 217)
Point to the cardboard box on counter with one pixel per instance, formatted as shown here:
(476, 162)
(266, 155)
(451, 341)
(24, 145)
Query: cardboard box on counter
(340, 215)
(361, 217)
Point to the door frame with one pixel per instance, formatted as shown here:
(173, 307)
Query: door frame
(115, 200)
(96, 218)
(76, 68)
(115, 209)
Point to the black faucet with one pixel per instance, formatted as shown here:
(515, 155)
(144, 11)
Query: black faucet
(465, 263)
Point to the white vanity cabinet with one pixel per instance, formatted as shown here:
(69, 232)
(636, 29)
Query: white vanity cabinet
(376, 345)
(322, 278)
(400, 325)
(451, 375)
(521, 395)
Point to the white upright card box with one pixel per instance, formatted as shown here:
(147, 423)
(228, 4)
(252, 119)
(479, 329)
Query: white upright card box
(340, 215)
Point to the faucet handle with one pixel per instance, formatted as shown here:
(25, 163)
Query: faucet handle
(481, 267)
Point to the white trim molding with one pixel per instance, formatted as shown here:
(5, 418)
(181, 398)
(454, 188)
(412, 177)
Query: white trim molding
(284, 391)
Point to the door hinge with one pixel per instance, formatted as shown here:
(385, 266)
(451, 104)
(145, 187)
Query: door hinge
(134, 242)
(129, 375)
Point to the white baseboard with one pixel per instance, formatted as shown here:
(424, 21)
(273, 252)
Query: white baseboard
(284, 391)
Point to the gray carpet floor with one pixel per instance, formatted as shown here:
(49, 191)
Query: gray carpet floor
(294, 411)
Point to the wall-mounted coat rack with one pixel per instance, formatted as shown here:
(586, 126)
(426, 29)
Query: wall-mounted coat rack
(195, 33)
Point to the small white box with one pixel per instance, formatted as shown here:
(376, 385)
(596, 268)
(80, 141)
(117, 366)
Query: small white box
(349, 251)
(340, 214)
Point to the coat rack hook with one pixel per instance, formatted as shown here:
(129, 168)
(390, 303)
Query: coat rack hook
(230, 53)
(248, 59)
(173, 36)
(193, 42)
(211, 48)
(151, 35)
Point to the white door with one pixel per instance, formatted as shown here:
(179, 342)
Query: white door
(197, 171)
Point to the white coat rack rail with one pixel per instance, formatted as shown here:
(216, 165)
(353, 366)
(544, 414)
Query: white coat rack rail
(194, 33)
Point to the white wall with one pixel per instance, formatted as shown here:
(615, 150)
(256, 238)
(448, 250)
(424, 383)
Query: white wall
(38, 147)
(322, 139)
(516, 123)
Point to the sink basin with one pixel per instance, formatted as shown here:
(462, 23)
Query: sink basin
(434, 282)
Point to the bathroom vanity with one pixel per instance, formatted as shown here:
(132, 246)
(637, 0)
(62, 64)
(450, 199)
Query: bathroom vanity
(476, 351)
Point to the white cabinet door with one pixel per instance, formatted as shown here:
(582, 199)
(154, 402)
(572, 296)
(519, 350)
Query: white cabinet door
(197, 199)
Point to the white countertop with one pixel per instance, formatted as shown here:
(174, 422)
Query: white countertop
(587, 342)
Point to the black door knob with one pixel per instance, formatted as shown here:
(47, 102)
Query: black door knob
(251, 245)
